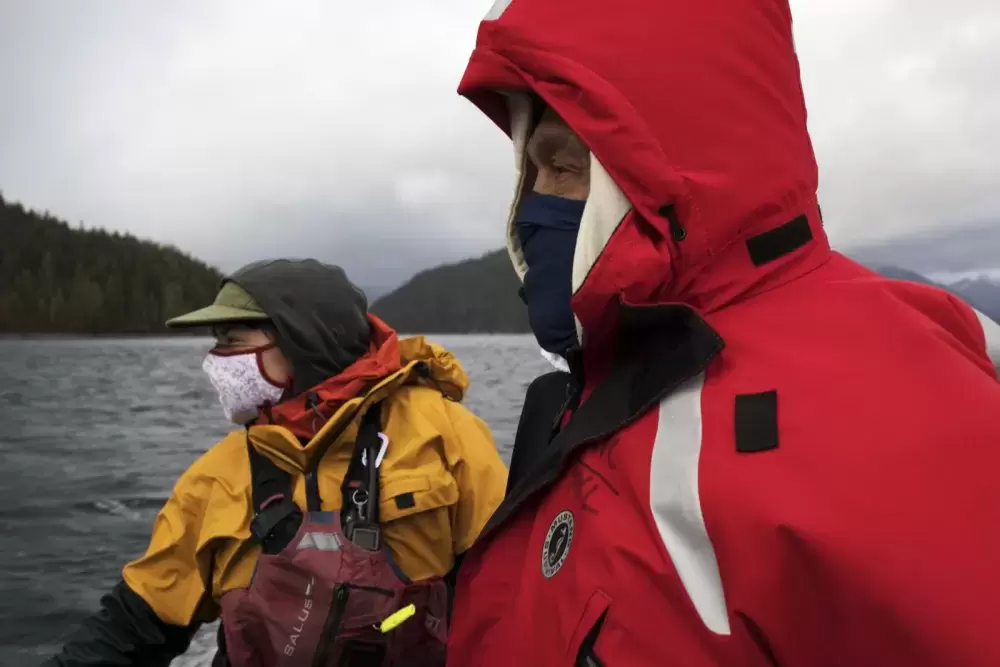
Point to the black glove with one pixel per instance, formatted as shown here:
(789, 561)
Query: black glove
(124, 633)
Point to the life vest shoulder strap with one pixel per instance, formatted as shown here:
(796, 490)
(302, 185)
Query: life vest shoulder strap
(360, 488)
(271, 489)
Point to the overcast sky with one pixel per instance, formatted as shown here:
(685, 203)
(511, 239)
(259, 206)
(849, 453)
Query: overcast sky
(238, 129)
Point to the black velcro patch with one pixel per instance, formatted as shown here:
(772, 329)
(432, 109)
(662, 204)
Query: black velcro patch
(405, 501)
(778, 242)
(757, 422)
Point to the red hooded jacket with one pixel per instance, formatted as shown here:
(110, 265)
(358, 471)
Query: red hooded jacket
(781, 458)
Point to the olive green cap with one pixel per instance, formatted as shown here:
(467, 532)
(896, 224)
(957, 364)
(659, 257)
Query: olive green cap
(232, 305)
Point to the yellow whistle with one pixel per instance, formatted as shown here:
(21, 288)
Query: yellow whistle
(396, 619)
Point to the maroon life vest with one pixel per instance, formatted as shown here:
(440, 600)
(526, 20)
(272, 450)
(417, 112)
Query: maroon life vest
(324, 583)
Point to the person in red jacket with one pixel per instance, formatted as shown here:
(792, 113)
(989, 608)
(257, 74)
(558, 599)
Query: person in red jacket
(770, 455)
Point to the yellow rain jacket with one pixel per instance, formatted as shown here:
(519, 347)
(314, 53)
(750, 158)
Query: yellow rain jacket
(438, 451)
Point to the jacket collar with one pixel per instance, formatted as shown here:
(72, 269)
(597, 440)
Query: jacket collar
(658, 348)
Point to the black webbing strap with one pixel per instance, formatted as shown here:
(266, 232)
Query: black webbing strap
(313, 498)
(361, 482)
(271, 493)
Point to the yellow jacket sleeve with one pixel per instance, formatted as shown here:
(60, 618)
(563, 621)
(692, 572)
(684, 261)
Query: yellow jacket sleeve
(172, 576)
(480, 473)
(195, 552)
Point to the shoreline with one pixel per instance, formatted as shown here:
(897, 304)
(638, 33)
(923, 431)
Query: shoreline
(96, 336)
(189, 336)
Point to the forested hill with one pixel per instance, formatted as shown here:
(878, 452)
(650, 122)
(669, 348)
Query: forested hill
(480, 296)
(57, 279)
(474, 296)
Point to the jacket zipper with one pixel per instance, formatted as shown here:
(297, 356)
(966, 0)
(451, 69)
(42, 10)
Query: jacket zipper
(574, 388)
(332, 625)
(524, 490)
(371, 589)
(587, 657)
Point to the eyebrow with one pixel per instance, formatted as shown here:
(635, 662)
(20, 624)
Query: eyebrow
(225, 333)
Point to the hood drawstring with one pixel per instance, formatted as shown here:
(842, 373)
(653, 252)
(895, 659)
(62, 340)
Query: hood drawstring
(312, 403)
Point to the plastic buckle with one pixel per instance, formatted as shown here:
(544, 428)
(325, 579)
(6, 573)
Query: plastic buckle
(367, 537)
(257, 531)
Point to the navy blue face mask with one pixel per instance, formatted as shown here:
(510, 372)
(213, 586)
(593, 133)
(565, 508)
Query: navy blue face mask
(547, 227)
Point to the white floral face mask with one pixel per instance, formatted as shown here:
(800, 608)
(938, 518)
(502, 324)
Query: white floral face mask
(242, 386)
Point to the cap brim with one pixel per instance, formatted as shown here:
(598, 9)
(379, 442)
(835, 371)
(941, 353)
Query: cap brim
(212, 315)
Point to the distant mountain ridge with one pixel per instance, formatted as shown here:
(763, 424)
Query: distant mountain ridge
(949, 249)
(982, 294)
(481, 295)
(63, 280)
(474, 296)
(60, 280)
(962, 259)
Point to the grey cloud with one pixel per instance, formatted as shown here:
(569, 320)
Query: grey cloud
(903, 113)
(235, 128)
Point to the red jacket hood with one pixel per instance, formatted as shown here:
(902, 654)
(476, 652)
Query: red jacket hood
(695, 118)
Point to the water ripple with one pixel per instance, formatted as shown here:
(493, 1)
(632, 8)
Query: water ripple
(95, 432)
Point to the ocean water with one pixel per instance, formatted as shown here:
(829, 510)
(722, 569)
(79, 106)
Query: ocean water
(93, 434)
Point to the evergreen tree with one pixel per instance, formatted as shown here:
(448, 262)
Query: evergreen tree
(55, 278)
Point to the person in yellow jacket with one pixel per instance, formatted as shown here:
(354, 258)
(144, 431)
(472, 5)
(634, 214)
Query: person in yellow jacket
(298, 361)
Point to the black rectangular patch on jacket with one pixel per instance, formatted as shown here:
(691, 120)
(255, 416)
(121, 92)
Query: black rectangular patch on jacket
(757, 422)
(405, 501)
(780, 241)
